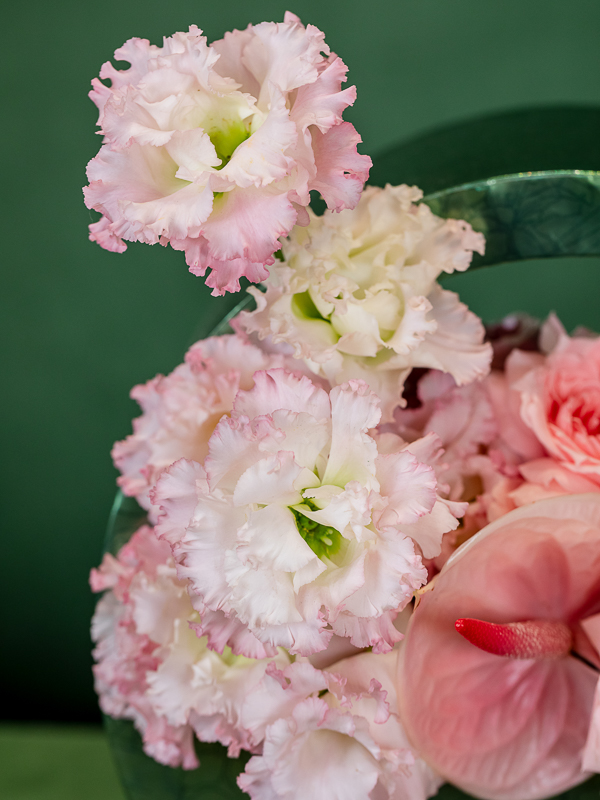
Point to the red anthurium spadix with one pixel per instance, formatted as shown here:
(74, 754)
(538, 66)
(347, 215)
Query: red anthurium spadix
(498, 680)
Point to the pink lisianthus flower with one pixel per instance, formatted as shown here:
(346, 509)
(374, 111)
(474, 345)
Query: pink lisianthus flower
(468, 468)
(504, 711)
(333, 734)
(180, 411)
(214, 149)
(151, 666)
(357, 295)
(297, 526)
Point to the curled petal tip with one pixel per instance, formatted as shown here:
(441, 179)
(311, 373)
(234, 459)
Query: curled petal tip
(539, 638)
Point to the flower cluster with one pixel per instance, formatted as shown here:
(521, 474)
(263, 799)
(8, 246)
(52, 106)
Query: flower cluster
(373, 553)
(152, 667)
(529, 431)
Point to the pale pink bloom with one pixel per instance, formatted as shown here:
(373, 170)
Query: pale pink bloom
(357, 295)
(214, 149)
(180, 411)
(297, 526)
(153, 668)
(515, 442)
(505, 710)
(468, 468)
(334, 734)
(462, 417)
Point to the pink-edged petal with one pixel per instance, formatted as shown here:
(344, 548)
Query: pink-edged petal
(248, 223)
(341, 170)
(264, 599)
(231, 62)
(278, 693)
(101, 232)
(177, 495)
(376, 632)
(222, 631)
(457, 344)
(277, 389)
(234, 447)
(410, 486)
(322, 103)
(225, 275)
(393, 572)
(284, 54)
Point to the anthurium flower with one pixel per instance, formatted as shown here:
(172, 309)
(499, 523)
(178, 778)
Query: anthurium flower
(297, 526)
(501, 659)
(151, 666)
(214, 149)
(357, 295)
(334, 734)
(180, 410)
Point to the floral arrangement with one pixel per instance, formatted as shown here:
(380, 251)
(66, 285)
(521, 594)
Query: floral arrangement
(372, 550)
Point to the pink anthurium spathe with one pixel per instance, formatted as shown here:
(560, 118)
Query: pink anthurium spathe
(498, 682)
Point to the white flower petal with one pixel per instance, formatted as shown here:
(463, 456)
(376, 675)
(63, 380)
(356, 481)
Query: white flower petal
(354, 411)
(270, 539)
(269, 480)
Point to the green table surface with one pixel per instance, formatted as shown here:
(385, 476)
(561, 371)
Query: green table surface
(56, 762)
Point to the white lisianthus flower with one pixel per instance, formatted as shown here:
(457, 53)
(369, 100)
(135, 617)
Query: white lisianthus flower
(214, 149)
(296, 526)
(333, 734)
(153, 668)
(357, 295)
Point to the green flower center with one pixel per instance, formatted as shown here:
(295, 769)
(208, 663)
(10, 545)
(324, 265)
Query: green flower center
(227, 137)
(323, 540)
(304, 307)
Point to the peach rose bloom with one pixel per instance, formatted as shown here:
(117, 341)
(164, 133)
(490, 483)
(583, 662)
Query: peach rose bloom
(510, 709)
(560, 403)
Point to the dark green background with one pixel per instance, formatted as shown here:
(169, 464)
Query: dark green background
(80, 326)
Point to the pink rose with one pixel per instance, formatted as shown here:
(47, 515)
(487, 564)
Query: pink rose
(560, 403)
(505, 711)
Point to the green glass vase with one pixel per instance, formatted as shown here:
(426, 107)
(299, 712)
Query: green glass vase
(530, 182)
